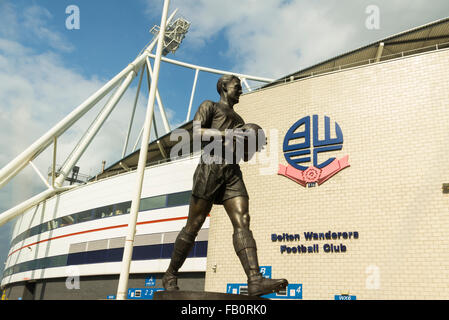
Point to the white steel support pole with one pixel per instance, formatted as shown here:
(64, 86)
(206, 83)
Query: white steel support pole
(246, 84)
(379, 52)
(210, 70)
(133, 112)
(192, 95)
(159, 101)
(138, 138)
(40, 175)
(155, 128)
(13, 212)
(11, 173)
(53, 168)
(93, 130)
(91, 125)
(23, 206)
(128, 250)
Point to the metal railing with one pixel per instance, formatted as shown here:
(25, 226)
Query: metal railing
(81, 178)
(109, 174)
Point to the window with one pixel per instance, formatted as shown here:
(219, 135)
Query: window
(120, 208)
(150, 203)
(65, 221)
(153, 203)
(43, 227)
(178, 199)
(84, 216)
(34, 231)
(53, 224)
(104, 212)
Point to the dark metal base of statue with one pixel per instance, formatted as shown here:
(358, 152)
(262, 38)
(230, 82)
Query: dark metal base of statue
(201, 295)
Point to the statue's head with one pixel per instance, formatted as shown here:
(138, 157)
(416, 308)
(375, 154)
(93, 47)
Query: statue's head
(229, 86)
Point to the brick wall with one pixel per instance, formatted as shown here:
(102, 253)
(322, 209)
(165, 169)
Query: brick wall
(394, 117)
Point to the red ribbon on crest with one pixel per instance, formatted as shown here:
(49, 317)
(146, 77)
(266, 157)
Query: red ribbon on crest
(313, 174)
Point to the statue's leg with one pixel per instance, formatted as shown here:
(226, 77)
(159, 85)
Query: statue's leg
(198, 211)
(246, 248)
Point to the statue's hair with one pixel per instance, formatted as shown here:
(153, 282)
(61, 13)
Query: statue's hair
(224, 80)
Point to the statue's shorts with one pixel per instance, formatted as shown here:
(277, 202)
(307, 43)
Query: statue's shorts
(218, 182)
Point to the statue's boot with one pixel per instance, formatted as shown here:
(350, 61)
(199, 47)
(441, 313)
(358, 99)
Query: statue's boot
(183, 244)
(245, 247)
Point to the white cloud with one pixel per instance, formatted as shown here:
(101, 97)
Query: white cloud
(8, 22)
(35, 21)
(273, 38)
(31, 25)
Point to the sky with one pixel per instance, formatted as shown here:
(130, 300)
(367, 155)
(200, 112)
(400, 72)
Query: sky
(49, 65)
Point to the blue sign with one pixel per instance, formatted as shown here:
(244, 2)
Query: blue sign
(111, 297)
(293, 291)
(299, 151)
(345, 297)
(265, 271)
(142, 293)
(234, 288)
(150, 282)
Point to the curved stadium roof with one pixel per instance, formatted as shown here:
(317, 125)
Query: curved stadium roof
(431, 36)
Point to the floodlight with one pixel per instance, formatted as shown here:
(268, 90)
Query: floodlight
(174, 35)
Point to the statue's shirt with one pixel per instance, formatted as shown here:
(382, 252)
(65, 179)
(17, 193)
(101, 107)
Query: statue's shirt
(218, 116)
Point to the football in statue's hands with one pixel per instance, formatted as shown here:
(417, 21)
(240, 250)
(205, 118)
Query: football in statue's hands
(257, 131)
(254, 135)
